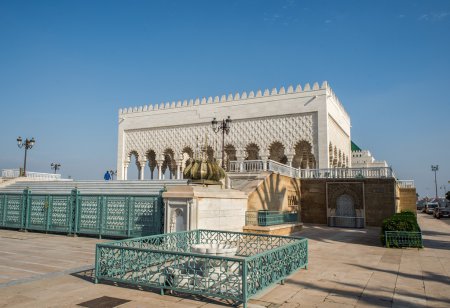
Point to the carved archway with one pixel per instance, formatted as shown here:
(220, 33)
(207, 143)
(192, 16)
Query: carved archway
(151, 157)
(133, 158)
(187, 154)
(230, 154)
(276, 152)
(169, 163)
(304, 158)
(252, 150)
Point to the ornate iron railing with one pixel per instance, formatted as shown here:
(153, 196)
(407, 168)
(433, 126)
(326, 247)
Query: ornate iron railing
(102, 215)
(269, 218)
(346, 222)
(247, 166)
(403, 239)
(14, 173)
(168, 262)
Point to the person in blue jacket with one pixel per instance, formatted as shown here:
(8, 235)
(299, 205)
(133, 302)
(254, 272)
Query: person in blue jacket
(107, 176)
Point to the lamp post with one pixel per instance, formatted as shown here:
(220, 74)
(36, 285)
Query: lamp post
(55, 166)
(435, 169)
(27, 144)
(112, 173)
(225, 128)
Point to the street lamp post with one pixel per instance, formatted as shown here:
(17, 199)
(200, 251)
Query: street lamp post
(435, 169)
(27, 144)
(55, 166)
(225, 128)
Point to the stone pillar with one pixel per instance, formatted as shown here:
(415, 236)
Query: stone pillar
(179, 162)
(141, 169)
(159, 164)
(125, 170)
(290, 157)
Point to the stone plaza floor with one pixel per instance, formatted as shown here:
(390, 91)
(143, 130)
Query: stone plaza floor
(347, 268)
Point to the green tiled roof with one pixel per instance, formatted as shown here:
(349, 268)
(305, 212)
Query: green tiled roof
(355, 147)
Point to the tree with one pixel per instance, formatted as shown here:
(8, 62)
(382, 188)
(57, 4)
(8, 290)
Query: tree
(447, 195)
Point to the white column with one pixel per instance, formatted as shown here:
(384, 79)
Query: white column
(159, 164)
(141, 169)
(125, 170)
(179, 162)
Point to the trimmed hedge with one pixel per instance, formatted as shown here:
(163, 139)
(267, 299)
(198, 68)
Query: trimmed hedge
(404, 221)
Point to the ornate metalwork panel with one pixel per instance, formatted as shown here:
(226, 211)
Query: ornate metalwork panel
(115, 219)
(38, 207)
(166, 262)
(89, 208)
(14, 211)
(146, 215)
(61, 213)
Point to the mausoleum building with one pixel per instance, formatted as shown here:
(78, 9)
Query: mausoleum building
(306, 127)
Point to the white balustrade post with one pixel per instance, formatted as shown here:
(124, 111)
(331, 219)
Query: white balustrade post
(264, 158)
(290, 158)
(240, 156)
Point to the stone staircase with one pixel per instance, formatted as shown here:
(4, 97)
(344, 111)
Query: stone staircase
(92, 187)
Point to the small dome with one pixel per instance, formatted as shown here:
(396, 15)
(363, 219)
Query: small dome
(205, 172)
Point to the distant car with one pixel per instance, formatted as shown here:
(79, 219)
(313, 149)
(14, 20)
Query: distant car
(429, 208)
(440, 212)
(420, 206)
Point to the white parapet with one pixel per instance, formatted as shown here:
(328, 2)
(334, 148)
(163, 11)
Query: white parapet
(15, 173)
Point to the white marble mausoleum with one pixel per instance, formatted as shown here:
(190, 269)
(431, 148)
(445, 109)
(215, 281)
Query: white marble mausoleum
(306, 127)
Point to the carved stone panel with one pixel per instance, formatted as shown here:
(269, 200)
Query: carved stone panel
(345, 199)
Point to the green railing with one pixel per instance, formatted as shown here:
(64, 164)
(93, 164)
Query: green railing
(269, 218)
(167, 262)
(403, 239)
(102, 215)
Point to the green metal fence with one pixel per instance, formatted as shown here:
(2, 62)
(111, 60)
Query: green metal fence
(403, 239)
(75, 213)
(269, 218)
(167, 262)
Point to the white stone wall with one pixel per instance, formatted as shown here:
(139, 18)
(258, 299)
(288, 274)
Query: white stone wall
(221, 214)
(364, 159)
(281, 115)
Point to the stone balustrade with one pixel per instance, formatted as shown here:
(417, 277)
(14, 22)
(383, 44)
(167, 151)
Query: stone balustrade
(14, 173)
(406, 183)
(252, 166)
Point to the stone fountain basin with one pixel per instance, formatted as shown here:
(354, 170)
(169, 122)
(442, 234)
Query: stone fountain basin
(213, 249)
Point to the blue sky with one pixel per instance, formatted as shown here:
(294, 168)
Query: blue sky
(66, 67)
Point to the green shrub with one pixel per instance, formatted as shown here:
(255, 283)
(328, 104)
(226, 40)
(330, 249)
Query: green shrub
(404, 221)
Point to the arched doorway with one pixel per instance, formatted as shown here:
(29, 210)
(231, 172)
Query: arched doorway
(187, 154)
(276, 152)
(169, 165)
(151, 157)
(133, 173)
(230, 154)
(303, 158)
(252, 151)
